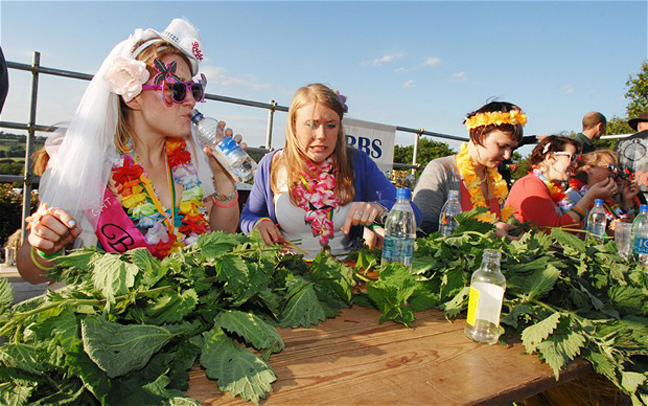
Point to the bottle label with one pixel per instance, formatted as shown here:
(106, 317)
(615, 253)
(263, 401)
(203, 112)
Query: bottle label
(485, 303)
(230, 148)
(398, 250)
(641, 245)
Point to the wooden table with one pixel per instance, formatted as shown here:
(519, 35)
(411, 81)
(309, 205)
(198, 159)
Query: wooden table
(352, 360)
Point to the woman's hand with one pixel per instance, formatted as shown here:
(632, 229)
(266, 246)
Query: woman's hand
(502, 230)
(52, 230)
(629, 190)
(269, 231)
(602, 189)
(374, 238)
(217, 168)
(362, 214)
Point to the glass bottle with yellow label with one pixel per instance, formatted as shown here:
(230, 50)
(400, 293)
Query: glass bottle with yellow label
(487, 287)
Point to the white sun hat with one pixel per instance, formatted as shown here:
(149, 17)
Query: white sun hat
(182, 35)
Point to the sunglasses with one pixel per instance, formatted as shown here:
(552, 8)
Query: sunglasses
(619, 173)
(572, 157)
(178, 91)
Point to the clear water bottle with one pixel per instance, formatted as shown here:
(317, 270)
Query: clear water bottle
(597, 222)
(400, 231)
(233, 158)
(487, 287)
(640, 235)
(447, 223)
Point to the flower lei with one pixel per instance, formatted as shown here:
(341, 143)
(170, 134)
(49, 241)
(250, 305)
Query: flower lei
(495, 117)
(316, 195)
(139, 204)
(556, 192)
(473, 185)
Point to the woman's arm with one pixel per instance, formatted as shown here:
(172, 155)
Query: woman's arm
(430, 194)
(224, 213)
(257, 203)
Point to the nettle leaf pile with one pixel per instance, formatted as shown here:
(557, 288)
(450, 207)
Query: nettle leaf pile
(566, 298)
(127, 328)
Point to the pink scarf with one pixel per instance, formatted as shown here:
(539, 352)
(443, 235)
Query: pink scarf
(316, 195)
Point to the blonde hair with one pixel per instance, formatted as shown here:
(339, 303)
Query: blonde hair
(596, 158)
(157, 50)
(293, 159)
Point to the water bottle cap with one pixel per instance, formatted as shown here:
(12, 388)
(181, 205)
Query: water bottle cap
(195, 114)
(453, 192)
(643, 207)
(598, 202)
(403, 193)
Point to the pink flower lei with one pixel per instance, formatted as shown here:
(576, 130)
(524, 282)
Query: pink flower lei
(316, 195)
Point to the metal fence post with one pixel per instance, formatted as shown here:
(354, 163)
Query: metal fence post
(271, 112)
(415, 152)
(31, 133)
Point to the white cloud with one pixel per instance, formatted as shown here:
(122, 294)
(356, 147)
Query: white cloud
(218, 75)
(459, 76)
(409, 83)
(568, 89)
(387, 58)
(401, 70)
(432, 61)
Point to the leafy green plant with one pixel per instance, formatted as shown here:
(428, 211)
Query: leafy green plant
(127, 328)
(566, 298)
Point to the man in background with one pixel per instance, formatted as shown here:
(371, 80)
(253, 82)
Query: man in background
(594, 125)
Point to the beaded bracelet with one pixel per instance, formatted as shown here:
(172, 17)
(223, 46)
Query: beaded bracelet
(32, 255)
(225, 198)
(233, 199)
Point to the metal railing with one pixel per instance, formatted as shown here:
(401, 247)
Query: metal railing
(28, 179)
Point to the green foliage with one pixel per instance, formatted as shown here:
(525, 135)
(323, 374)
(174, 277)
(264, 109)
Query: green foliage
(11, 210)
(565, 297)
(127, 328)
(637, 92)
(428, 150)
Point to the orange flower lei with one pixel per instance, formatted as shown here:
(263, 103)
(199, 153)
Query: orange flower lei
(473, 185)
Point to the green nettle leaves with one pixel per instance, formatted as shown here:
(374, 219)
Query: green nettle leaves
(237, 370)
(117, 348)
(128, 328)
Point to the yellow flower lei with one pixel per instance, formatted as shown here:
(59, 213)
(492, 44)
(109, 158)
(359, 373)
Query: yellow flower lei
(473, 185)
(495, 117)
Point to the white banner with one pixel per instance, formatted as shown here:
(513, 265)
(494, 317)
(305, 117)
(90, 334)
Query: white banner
(376, 140)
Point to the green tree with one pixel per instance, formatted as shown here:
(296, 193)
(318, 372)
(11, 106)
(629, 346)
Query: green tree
(428, 150)
(637, 92)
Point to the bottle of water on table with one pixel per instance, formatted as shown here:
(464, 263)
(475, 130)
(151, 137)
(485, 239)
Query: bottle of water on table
(400, 230)
(640, 235)
(228, 153)
(447, 222)
(487, 286)
(597, 222)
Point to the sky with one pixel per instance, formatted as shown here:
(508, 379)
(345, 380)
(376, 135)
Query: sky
(423, 64)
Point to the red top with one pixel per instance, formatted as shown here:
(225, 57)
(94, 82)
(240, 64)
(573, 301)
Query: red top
(531, 199)
(466, 204)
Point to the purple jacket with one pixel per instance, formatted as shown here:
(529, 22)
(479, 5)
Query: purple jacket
(370, 186)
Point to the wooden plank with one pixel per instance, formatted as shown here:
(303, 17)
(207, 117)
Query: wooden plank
(353, 360)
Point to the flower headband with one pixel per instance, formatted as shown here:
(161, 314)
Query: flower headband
(495, 117)
(343, 100)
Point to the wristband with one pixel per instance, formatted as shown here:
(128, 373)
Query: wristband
(579, 212)
(32, 255)
(53, 255)
(261, 220)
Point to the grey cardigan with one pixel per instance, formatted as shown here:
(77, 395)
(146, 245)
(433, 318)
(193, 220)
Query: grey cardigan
(438, 178)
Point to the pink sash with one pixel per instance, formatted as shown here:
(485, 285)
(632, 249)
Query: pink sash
(115, 230)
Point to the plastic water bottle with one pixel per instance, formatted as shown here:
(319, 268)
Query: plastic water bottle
(597, 222)
(233, 158)
(487, 286)
(400, 231)
(640, 235)
(447, 223)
